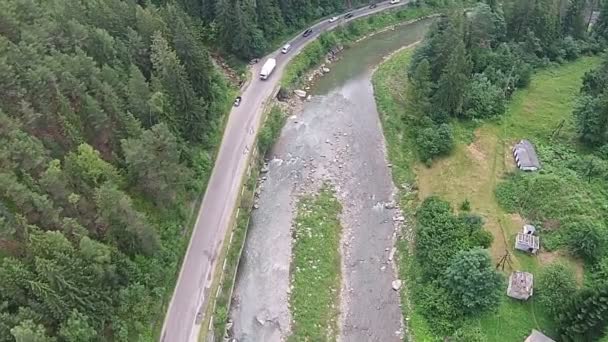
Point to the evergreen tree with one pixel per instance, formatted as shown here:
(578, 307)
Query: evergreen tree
(420, 89)
(452, 84)
(153, 162)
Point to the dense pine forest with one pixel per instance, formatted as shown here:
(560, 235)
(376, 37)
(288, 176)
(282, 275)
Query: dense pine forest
(109, 118)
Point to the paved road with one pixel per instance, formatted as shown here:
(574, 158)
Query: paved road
(192, 289)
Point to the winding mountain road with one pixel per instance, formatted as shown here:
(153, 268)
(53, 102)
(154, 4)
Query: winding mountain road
(191, 293)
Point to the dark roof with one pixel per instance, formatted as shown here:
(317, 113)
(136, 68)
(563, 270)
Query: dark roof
(525, 156)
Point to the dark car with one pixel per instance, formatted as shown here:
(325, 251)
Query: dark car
(237, 101)
(307, 33)
(373, 6)
(348, 16)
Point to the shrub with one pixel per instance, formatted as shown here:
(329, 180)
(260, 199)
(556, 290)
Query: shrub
(434, 141)
(468, 333)
(465, 205)
(483, 99)
(472, 281)
(438, 307)
(554, 287)
(586, 238)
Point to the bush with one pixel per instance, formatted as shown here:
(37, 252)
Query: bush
(472, 281)
(438, 307)
(586, 238)
(434, 141)
(554, 287)
(468, 333)
(483, 99)
(465, 205)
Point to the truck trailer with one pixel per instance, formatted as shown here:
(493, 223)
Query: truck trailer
(267, 68)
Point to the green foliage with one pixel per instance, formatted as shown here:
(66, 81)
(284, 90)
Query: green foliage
(468, 333)
(586, 238)
(271, 129)
(316, 264)
(465, 205)
(554, 286)
(445, 244)
(106, 108)
(473, 282)
(585, 317)
(483, 99)
(434, 141)
(153, 161)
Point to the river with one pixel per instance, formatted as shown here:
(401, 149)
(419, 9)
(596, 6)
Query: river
(336, 138)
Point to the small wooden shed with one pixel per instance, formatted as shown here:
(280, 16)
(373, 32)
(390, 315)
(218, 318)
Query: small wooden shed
(527, 243)
(537, 336)
(521, 285)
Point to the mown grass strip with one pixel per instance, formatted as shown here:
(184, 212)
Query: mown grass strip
(316, 268)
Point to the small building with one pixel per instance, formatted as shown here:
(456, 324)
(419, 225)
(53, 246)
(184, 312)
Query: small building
(525, 156)
(521, 285)
(528, 229)
(527, 243)
(537, 336)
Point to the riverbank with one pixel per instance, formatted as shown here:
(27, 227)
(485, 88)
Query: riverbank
(479, 162)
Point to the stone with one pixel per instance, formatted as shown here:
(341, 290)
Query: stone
(256, 206)
(391, 255)
(398, 218)
(396, 284)
(301, 93)
(325, 70)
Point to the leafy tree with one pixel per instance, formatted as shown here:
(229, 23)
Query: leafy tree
(555, 286)
(77, 329)
(591, 115)
(585, 318)
(473, 282)
(28, 331)
(586, 238)
(434, 141)
(483, 99)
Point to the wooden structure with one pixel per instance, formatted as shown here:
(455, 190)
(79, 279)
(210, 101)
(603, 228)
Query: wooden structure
(521, 285)
(527, 243)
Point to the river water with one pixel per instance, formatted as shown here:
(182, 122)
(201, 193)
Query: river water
(336, 138)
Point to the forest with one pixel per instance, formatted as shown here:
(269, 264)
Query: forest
(110, 116)
(465, 73)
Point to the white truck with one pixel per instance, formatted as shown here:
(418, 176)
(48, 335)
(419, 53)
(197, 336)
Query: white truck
(267, 68)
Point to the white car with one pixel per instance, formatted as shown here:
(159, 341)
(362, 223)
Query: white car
(286, 48)
(332, 19)
(395, 2)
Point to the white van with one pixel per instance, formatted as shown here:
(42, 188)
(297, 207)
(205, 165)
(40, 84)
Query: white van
(286, 48)
(395, 2)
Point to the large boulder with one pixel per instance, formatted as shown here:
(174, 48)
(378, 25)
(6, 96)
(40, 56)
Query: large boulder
(300, 93)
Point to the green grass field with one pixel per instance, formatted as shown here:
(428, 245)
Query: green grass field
(479, 161)
(316, 268)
